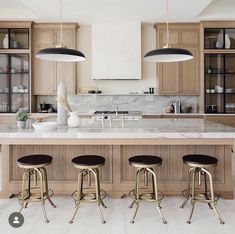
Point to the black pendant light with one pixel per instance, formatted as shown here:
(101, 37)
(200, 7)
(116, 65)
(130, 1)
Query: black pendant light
(167, 53)
(61, 53)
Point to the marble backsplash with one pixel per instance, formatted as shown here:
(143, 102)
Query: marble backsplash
(145, 103)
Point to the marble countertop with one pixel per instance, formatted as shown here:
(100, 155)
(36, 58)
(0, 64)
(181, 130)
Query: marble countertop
(146, 128)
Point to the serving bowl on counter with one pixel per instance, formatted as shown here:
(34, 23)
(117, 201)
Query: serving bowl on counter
(45, 126)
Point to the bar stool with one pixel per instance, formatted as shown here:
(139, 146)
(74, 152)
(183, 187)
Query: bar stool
(198, 166)
(146, 164)
(88, 165)
(34, 166)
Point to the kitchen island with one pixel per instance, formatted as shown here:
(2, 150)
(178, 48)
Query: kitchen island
(117, 141)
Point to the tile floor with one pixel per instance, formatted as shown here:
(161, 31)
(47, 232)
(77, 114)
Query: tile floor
(118, 217)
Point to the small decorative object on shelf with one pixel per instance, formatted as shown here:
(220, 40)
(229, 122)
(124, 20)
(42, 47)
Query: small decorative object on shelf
(21, 117)
(227, 42)
(5, 42)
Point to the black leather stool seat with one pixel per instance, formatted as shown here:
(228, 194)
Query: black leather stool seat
(88, 160)
(145, 160)
(35, 159)
(200, 159)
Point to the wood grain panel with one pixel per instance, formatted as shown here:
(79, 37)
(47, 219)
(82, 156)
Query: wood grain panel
(173, 168)
(61, 169)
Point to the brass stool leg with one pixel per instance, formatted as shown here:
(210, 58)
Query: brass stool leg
(97, 182)
(136, 201)
(212, 195)
(146, 178)
(35, 178)
(42, 194)
(189, 189)
(78, 195)
(195, 171)
(46, 187)
(23, 202)
(156, 194)
(101, 201)
(206, 190)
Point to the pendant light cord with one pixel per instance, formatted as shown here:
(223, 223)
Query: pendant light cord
(61, 25)
(167, 26)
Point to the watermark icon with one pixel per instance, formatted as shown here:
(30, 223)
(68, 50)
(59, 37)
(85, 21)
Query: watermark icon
(16, 219)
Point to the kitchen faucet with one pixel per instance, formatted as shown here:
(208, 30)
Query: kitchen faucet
(116, 109)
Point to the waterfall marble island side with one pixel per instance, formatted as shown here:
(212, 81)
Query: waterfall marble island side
(170, 139)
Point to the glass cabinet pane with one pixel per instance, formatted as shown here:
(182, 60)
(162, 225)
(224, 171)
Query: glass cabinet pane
(214, 63)
(213, 38)
(19, 81)
(19, 38)
(230, 63)
(214, 103)
(4, 38)
(230, 38)
(214, 83)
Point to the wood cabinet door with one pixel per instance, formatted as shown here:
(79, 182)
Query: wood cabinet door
(189, 38)
(68, 38)
(43, 37)
(169, 78)
(173, 37)
(65, 72)
(190, 74)
(44, 75)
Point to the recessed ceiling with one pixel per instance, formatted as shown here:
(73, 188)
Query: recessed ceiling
(88, 11)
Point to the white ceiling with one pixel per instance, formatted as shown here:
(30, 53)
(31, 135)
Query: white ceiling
(88, 11)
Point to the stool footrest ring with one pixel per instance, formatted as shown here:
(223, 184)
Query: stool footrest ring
(88, 197)
(149, 197)
(33, 196)
(199, 196)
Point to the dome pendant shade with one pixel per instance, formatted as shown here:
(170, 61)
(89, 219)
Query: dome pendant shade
(61, 54)
(168, 55)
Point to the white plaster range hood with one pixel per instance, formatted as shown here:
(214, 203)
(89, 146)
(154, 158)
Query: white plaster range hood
(116, 50)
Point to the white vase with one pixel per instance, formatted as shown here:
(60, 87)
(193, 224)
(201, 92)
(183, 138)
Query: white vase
(73, 120)
(5, 42)
(227, 42)
(62, 115)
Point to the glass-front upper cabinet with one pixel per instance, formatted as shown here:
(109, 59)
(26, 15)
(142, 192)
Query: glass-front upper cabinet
(14, 82)
(14, 38)
(219, 38)
(4, 83)
(214, 83)
(219, 83)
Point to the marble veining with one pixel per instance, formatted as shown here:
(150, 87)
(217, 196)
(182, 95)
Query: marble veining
(159, 128)
(144, 103)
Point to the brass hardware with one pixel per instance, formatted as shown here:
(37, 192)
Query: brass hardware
(91, 197)
(154, 196)
(37, 193)
(195, 193)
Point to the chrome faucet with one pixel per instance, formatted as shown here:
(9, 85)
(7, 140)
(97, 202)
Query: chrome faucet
(116, 109)
(177, 106)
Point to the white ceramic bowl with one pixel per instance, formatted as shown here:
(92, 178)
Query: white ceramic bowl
(45, 126)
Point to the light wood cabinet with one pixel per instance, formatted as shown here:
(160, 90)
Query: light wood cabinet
(190, 74)
(226, 120)
(47, 75)
(169, 78)
(180, 78)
